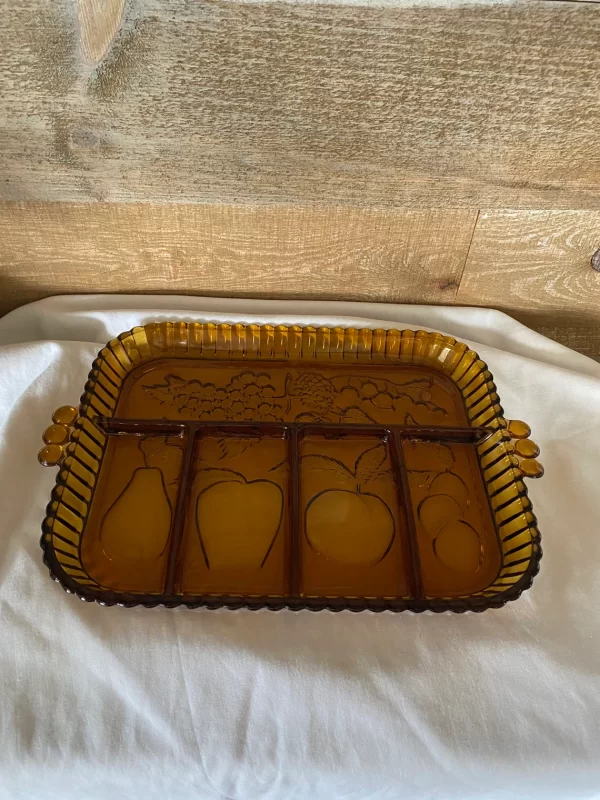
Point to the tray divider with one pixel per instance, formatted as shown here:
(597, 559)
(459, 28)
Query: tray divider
(294, 560)
(406, 507)
(178, 522)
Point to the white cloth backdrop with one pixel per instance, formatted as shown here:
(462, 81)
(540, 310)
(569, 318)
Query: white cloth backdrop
(99, 703)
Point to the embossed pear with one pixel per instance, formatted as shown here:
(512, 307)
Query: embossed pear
(137, 524)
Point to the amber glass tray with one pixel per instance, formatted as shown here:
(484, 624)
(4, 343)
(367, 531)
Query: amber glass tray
(287, 467)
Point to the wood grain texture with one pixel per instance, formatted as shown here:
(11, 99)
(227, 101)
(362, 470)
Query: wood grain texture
(99, 22)
(537, 266)
(389, 256)
(479, 106)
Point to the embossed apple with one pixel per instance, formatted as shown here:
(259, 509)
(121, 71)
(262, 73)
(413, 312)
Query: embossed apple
(238, 521)
(346, 523)
(353, 528)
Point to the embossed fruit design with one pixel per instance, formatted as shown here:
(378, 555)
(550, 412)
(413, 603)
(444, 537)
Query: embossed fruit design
(455, 542)
(458, 546)
(359, 398)
(352, 528)
(350, 525)
(247, 396)
(238, 521)
(137, 524)
(316, 392)
(308, 396)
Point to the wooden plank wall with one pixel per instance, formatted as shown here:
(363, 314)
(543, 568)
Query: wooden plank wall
(359, 254)
(417, 153)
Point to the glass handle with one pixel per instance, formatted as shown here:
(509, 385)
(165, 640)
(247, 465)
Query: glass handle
(56, 436)
(525, 448)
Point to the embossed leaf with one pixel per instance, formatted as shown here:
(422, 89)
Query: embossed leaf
(210, 475)
(170, 391)
(160, 392)
(281, 465)
(355, 414)
(370, 462)
(408, 389)
(231, 448)
(421, 479)
(309, 416)
(383, 475)
(160, 451)
(446, 455)
(152, 445)
(176, 381)
(327, 464)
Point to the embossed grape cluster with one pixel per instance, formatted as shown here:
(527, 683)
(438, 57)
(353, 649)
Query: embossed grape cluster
(248, 396)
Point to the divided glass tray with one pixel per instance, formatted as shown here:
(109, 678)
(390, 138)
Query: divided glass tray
(287, 467)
